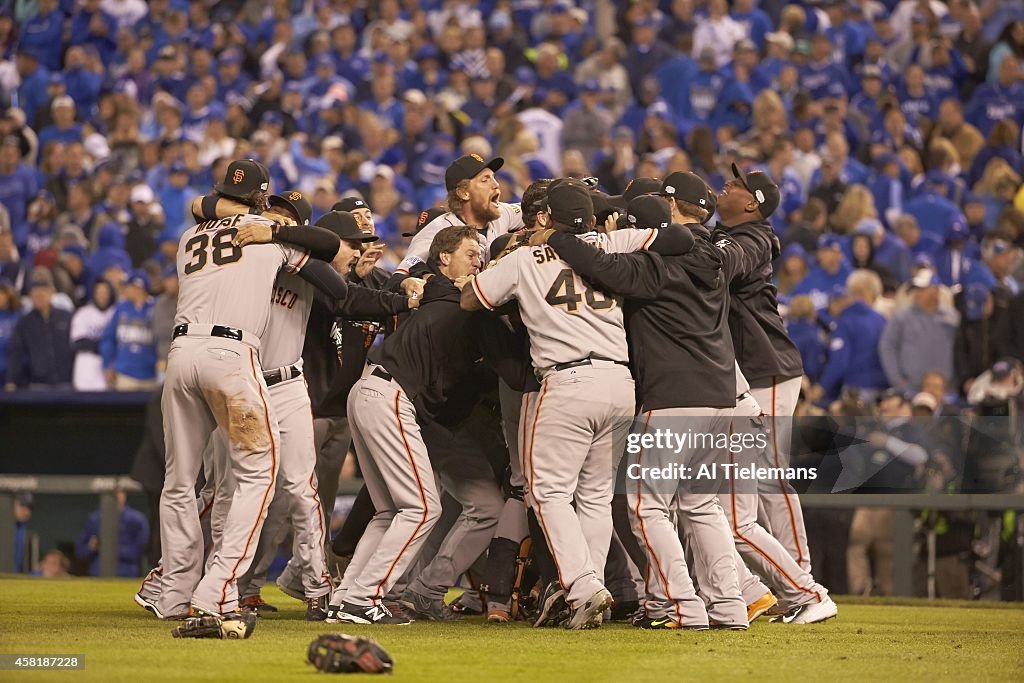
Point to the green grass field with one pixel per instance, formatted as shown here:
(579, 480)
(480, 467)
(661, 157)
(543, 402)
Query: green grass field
(871, 640)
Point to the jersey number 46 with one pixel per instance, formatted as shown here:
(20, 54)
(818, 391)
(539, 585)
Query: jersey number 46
(224, 252)
(563, 293)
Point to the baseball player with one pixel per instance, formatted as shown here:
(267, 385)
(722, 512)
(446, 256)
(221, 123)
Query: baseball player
(677, 339)
(474, 200)
(767, 357)
(352, 339)
(772, 366)
(214, 379)
(337, 337)
(426, 356)
(578, 346)
(511, 545)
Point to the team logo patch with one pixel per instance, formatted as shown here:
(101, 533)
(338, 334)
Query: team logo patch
(477, 157)
(422, 219)
(238, 176)
(759, 196)
(669, 189)
(295, 196)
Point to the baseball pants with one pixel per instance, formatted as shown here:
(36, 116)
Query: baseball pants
(152, 583)
(300, 510)
(569, 452)
(761, 551)
(466, 475)
(655, 503)
(779, 504)
(211, 382)
(333, 439)
(397, 472)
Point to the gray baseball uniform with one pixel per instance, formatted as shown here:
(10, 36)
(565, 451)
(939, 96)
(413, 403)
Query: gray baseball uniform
(792, 584)
(578, 345)
(511, 218)
(289, 397)
(214, 379)
(402, 488)
(780, 510)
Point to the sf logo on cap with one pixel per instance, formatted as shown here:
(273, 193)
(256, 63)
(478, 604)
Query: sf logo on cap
(238, 176)
(295, 196)
(477, 157)
(422, 219)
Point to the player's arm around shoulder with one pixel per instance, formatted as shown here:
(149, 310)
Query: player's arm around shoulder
(743, 253)
(212, 206)
(637, 274)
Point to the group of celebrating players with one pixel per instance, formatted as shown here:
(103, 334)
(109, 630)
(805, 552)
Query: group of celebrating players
(524, 344)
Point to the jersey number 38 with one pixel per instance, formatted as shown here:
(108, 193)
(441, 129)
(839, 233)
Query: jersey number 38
(224, 252)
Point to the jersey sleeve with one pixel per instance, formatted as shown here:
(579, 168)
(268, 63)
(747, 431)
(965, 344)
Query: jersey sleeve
(419, 246)
(498, 285)
(515, 217)
(629, 239)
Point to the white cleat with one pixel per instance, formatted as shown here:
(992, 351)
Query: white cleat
(811, 613)
(590, 614)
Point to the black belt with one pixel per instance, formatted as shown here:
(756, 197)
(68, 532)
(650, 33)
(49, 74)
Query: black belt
(216, 331)
(272, 377)
(382, 373)
(586, 361)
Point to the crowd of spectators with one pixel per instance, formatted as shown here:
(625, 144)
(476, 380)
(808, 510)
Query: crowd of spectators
(891, 126)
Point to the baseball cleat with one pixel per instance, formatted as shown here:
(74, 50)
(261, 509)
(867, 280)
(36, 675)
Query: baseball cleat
(624, 611)
(811, 613)
(553, 607)
(431, 609)
(778, 610)
(498, 616)
(348, 613)
(715, 626)
(665, 623)
(591, 612)
(148, 605)
(316, 608)
(255, 604)
(760, 606)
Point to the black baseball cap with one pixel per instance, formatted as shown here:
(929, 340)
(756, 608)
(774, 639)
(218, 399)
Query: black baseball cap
(635, 188)
(687, 187)
(343, 224)
(569, 203)
(296, 201)
(425, 218)
(764, 191)
(243, 177)
(603, 206)
(349, 204)
(649, 211)
(467, 167)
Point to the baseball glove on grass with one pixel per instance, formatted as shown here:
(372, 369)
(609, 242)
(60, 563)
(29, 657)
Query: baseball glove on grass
(339, 653)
